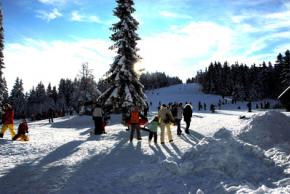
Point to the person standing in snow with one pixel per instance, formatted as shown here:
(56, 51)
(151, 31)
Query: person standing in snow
(249, 105)
(134, 122)
(8, 120)
(165, 119)
(22, 130)
(199, 106)
(98, 119)
(50, 115)
(146, 109)
(179, 112)
(153, 127)
(187, 114)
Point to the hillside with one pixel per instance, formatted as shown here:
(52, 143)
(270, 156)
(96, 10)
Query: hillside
(222, 154)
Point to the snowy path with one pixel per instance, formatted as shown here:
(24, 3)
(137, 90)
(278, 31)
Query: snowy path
(60, 159)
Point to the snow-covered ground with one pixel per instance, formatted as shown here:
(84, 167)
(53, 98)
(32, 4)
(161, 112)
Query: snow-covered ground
(223, 154)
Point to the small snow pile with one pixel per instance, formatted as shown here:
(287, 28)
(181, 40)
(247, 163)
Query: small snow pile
(227, 159)
(267, 129)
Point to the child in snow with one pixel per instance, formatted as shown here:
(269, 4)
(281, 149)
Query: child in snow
(153, 125)
(22, 130)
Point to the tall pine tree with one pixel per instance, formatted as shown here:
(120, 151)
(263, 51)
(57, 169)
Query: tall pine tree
(2, 84)
(17, 98)
(286, 71)
(125, 88)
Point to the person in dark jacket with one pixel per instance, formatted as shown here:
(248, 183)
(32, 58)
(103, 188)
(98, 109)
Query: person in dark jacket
(22, 130)
(98, 120)
(50, 115)
(187, 114)
(249, 105)
(7, 120)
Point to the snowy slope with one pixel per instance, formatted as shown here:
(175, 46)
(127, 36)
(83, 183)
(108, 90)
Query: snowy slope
(223, 154)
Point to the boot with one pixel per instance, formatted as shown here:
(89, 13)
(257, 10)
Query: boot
(1, 135)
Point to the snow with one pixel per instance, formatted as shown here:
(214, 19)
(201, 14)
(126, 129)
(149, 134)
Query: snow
(223, 154)
(267, 129)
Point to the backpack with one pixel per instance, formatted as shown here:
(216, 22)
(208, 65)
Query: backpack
(167, 118)
(134, 119)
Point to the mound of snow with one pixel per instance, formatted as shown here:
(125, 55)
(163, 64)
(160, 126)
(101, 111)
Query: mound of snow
(267, 129)
(227, 159)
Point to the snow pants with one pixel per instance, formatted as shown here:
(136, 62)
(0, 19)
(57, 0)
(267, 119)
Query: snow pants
(178, 121)
(187, 122)
(11, 129)
(98, 125)
(151, 135)
(162, 127)
(135, 127)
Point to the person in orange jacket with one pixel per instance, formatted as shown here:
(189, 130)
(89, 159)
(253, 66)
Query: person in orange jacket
(8, 120)
(134, 121)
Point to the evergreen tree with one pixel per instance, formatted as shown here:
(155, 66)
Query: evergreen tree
(285, 79)
(2, 84)
(50, 100)
(5, 90)
(66, 90)
(125, 88)
(17, 98)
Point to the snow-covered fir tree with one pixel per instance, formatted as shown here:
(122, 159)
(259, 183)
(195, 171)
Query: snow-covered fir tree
(2, 84)
(125, 88)
(85, 88)
(17, 98)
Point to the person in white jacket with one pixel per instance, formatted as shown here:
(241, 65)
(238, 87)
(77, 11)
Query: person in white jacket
(178, 118)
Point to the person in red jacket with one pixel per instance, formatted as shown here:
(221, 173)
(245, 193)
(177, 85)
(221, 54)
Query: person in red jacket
(22, 130)
(7, 120)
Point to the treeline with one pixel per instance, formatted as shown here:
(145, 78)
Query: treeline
(158, 80)
(68, 97)
(246, 83)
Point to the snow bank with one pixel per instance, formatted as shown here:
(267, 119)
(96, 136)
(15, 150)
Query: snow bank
(227, 163)
(267, 129)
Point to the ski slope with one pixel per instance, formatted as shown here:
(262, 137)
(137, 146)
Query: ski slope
(223, 154)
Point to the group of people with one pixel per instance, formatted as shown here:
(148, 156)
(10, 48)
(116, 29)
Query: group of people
(167, 116)
(8, 123)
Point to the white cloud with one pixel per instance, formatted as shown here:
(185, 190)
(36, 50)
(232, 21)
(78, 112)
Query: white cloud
(48, 16)
(264, 22)
(76, 16)
(174, 15)
(178, 52)
(52, 2)
(36, 61)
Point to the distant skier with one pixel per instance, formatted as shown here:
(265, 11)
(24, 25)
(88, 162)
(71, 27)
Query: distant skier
(146, 109)
(50, 115)
(166, 119)
(187, 114)
(7, 120)
(179, 112)
(212, 108)
(249, 105)
(199, 106)
(22, 130)
(204, 106)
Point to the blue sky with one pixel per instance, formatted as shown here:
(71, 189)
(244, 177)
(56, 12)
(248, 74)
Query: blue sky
(46, 40)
